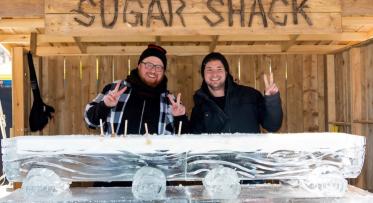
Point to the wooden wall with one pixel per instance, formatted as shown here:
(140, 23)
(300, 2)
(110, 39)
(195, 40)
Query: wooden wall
(353, 103)
(69, 83)
(319, 93)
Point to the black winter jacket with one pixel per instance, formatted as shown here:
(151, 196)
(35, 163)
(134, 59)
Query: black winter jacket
(244, 111)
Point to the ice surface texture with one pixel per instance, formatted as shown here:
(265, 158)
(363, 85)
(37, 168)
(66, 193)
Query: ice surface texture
(41, 182)
(188, 157)
(222, 183)
(149, 184)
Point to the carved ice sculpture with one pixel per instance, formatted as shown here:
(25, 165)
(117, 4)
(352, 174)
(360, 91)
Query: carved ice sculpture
(315, 161)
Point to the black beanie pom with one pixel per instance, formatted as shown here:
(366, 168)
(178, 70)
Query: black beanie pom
(154, 50)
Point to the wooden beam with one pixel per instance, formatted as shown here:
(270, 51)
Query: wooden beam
(157, 40)
(14, 39)
(245, 49)
(82, 47)
(188, 49)
(254, 37)
(27, 23)
(370, 34)
(7, 48)
(285, 47)
(33, 42)
(22, 8)
(18, 91)
(190, 38)
(43, 39)
(322, 49)
(213, 43)
(345, 36)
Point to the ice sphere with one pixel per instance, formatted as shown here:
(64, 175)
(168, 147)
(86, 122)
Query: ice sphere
(222, 183)
(149, 184)
(42, 182)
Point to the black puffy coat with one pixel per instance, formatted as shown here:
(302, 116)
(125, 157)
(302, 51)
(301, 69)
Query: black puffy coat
(245, 110)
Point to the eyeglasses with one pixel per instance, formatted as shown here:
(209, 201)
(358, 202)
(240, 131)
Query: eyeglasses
(150, 66)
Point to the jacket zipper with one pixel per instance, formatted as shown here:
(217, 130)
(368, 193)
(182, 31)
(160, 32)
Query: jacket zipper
(142, 115)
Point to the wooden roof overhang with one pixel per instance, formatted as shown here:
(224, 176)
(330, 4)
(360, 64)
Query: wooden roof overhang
(125, 27)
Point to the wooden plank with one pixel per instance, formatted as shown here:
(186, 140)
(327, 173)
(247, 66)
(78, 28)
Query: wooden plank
(347, 90)
(194, 6)
(93, 82)
(27, 23)
(345, 36)
(22, 8)
(188, 50)
(254, 37)
(278, 63)
(248, 64)
(244, 49)
(233, 66)
(33, 42)
(18, 90)
(73, 63)
(342, 90)
(88, 81)
(57, 65)
(105, 71)
(197, 77)
(331, 116)
(261, 69)
(357, 21)
(321, 91)
(357, 85)
(369, 107)
(11, 39)
(180, 74)
(310, 97)
(121, 67)
(64, 24)
(294, 93)
(357, 7)
(298, 49)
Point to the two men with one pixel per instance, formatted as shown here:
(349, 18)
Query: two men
(140, 99)
(223, 106)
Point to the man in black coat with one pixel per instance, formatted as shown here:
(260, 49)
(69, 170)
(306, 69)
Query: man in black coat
(223, 106)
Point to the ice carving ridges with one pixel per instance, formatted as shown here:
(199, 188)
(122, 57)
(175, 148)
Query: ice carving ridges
(188, 157)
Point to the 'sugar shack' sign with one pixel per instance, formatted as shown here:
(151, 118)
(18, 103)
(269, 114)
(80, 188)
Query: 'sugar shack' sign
(186, 17)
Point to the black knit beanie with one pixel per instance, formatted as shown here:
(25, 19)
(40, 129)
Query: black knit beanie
(154, 50)
(211, 57)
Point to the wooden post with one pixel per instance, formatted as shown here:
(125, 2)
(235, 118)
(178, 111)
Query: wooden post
(18, 91)
(18, 95)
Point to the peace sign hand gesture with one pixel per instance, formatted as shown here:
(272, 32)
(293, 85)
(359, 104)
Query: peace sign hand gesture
(270, 87)
(177, 108)
(111, 99)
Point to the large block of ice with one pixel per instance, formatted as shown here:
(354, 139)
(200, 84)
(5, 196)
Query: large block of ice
(186, 157)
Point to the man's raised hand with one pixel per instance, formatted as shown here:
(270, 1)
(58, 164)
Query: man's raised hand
(177, 108)
(270, 87)
(111, 99)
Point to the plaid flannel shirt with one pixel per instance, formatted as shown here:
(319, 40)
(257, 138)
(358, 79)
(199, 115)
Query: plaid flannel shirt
(116, 113)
